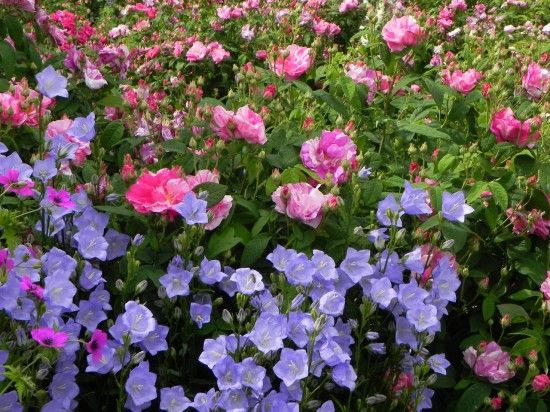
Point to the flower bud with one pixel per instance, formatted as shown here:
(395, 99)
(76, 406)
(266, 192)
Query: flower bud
(141, 286)
(119, 284)
(506, 320)
(227, 316)
(377, 398)
(138, 357)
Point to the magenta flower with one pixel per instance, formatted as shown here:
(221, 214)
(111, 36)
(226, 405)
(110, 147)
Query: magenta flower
(402, 32)
(292, 62)
(463, 82)
(507, 128)
(49, 338)
(300, 201)
(536, 81)
(96, 344)
(59, 198)
(491, 363)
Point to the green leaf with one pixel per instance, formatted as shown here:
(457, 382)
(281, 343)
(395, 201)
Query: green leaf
(445, 162)
(523, 346)
(292, 175)
(371, 191)
(88, 171)
(525, 294)
(222, 241)
(118, 210)
(473, 398)
(112, 101)
(254, 249)
(175, 145)
(475, 192)
(456, 232)
(7, 58)
(15, 30)
(4, 85)
(424, 130)
(112, 134)
(431, 222)
(513, 310)
(532, 268)
(436, 90)
(216, 192)
(337, 105)
(541, 406)
(265, 217)
(489, 305)
(499, 194)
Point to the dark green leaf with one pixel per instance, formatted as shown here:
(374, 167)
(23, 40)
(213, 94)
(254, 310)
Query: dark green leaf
(371, 191)
(254, 249)
(7, 59)
(514, 311)
(337, 105)
(525, 294)
(222, 241)
(216, 192)
(175, 145)
(112, 134)
(489, 305)
(424, 130)
(499, 194)
(111, 101)
(532, 268)
(473, 398)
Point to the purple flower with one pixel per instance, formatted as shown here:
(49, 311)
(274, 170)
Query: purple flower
(118, 243)
(44, 170)
(415, 201)
(364, 172)
(214, 351)
(138, 321)
(356, 264)
(192, 209)
(90, 314)
(292, 366)
(248, 281)
(81, 201)
(210, 271)
(140, 385)
(423, 317)
(300, 270)
(280, 257)
(388, 212)
(101, 295)
(332, 353)
(332, 303)
(58, 290)
(404, 332)
(228, 374)
(324, 264)
(63, 389)
(90, 276)
(176, 281)
(83, 128)
(389, 265)
(9, 293)
(268, 332)
(252, 375)
(155, 341)
(438, 363)
(445, 281)
(454, 207)
(9, 402)
(344, 375)
(233, 400)
(411, 296)
(3, 358)
(51, 83)
(91, 244)
(378, 237)
(201, 309)
(424, 400)
(378, 348)
(299, 327)
(413, 260)
(205, 402)
(265, 302)
(173, 399)
(3, 148)
(382, 292)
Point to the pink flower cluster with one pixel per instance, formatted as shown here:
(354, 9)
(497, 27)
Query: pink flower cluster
(244, 124)
(348, 5)
(19, 106)
(402, 32)
(162, 191)
(323, 27)
(490, 362)
(375, 80)
(292, 62)
(532, 223)
(507, 128)
(199, 51)
(536, 81)
(302, 202)
(330, 156)
(462, 82)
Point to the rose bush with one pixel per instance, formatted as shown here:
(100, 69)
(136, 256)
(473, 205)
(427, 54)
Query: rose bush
(259, 205)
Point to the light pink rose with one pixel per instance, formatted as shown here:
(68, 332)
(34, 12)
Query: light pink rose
(507, 128)
(223, 123)
(536, 81)
(545, 286)
(463, 82)
(348, 5)
(402, 32)
(250, 126)
(491, 363)
(292, 62)
(217, 52)
(300, 201)
(197, 52)
(333, 152)
(93, 77)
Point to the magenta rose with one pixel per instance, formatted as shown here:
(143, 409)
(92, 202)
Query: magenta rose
(507, 128)
(463, 82)
(536, 81)
(250, 126)
(300, 201)
(491, 363)
(293, 62)
(402, 32)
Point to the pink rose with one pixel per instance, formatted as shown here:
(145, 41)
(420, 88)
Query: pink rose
(292, 62)
(491, 363)
(463, 82)
(507, 128)
(223, 124)
(217, 52)
(332, 153)
(93, 77)
(402, 32)
(300, 201)
(158, 192)
(250, 126)
(197, 52)
(536, 81)
(348, 5)
(545, 286)
(541, 383)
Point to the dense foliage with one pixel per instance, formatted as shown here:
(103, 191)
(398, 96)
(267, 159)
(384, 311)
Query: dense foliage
(274, 205)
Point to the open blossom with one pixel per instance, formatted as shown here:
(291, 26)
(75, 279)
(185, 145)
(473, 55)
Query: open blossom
(507, 128)
(491, 363)
(536, 81)
(300, 201)
(402, 32)
(49, 338)
(20, 105)
(332, 153)
(244, 124)
(292, 62)
(463, 82)
(197, 52)
(532, 223)
(348, 5)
